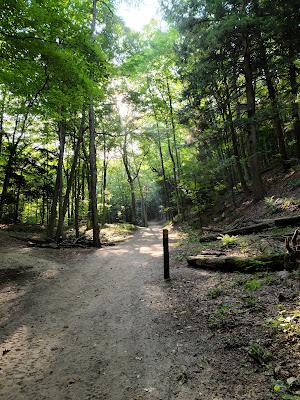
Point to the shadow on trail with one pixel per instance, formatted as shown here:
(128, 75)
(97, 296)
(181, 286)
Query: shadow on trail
(108, 327)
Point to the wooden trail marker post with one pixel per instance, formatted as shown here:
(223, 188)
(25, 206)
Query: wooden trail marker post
(166, 254)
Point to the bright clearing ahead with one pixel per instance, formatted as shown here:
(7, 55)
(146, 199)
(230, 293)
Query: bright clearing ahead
(137, 17)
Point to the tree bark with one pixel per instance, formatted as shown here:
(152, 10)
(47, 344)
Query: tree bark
(130, 180)
(7, 176)
(77, 201)
(65, 203)
(104, 180)
(178, 205)
(161, 157)
(143, 204)
(92, 154)
(173, 129)
(257, 184)
(9, 165)
(43, 213)
(16, 217)
(58, 182)
(2, 108)
(133, 204)
(93, 178)
(295, 107)
(276, 120)
(234, 140)
(165, 186)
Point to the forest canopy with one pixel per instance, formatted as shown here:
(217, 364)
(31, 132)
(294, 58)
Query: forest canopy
(99, 123)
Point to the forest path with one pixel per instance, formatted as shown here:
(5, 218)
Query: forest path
(104, 325)
(97, 330)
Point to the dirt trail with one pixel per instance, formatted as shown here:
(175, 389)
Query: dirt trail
(89, 332)
(107, 327)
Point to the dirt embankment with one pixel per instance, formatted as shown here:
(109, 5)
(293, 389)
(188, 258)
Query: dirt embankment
(282, 198)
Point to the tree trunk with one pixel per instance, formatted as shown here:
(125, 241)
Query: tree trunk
(173, 129)
(83, 182)
(77, 201)
(166, 192)
(257, 184)
(234, 140)
(174, 173)
(92, 153)
(276, 120)
(16, 217)
(86, 173)
(43, 209)
(65, 203)
(143, 204)
(130, 181)
(7, 176)
(295, 107)
(93, 179)
(89, 216)
(104, 181)
(58, 182)
(133, 203)
(2, 108)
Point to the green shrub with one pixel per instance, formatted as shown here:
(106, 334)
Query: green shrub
(288, 390)
(228, 240)
(259, 353)
(252, 284)
(287, 321)
(281, 203)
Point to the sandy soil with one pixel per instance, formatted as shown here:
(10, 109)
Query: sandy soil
(104, 325)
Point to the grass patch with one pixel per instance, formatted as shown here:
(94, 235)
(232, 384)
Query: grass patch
(252, 284)
(221, 317)
(259, 353)
(123, 227)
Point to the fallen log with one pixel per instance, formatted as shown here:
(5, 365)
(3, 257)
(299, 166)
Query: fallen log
(274, 262)
(32, 240)
(281, 238)
(246, 230)
(287, 221)
(212, 252)
(255, 228)
(81, 242)
(45, 245)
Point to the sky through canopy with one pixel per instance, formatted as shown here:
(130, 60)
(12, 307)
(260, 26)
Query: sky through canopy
(136, 17)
